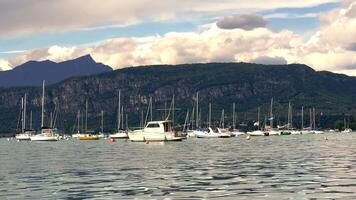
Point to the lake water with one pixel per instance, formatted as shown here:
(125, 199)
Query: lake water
(284, 167)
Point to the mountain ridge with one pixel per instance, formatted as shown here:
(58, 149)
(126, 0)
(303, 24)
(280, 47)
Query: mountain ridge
(32, 73)
(248, 85)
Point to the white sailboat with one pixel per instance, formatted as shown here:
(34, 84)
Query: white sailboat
(25, 134)
(47, 133)
(258, 132)
(347, 129)
(270, 129)
(120, 134)
(234, 131)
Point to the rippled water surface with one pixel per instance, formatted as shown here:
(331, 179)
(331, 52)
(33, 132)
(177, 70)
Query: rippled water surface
(284, 167)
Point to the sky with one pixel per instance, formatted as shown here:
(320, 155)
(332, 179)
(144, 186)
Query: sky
(318, 33)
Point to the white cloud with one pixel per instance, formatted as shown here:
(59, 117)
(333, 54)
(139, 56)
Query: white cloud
(4, 65)
(34, 16)
(327, 49)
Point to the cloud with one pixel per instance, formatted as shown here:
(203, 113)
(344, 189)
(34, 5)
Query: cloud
(327, 49)
(4, 65)
(246, 22)
(210, 45)
(266, 60)
(38, 16)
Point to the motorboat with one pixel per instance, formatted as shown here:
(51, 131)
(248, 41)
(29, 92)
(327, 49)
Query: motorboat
(156, 131)
(258, 133)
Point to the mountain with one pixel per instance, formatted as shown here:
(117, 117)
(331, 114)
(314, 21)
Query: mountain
(248, 85)
(33, 72)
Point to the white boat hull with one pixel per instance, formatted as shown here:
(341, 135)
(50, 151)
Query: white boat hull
(237, 133)
(257, 133)
(23, 137)
(140, 136)
(119, 136)
(44, 138)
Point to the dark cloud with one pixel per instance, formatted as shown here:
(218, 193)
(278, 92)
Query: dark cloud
(246, 22)
(266, 60)
(352, 47)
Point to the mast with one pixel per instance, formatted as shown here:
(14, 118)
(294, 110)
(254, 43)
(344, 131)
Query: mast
(24, 112)
(43, 100)
(209, 118)
(122, 117)
(173, 111)
(271, 114)
(86, 116)
(127, 121)
(186, 121)
(78, 117)
(288, 116)
(258, 117)
(197, 110)
(119, 112)
(22, 121)
(314, 118)
(102, 121)
(310, 119)
(222, 118)
(302, 118)
(233, 116)
(151, 108)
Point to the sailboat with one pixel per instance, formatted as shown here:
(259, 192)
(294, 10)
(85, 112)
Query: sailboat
(209, 132)
(25, 134)
(270, 129)
(87, 135)
(347, 129)
(120, 134)
(47, 133)
(258, 132)
(234, 131)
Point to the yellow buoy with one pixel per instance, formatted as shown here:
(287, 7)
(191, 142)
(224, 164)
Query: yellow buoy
(248, 137)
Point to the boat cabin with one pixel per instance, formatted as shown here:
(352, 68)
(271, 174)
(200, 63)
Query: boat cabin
(159, 127)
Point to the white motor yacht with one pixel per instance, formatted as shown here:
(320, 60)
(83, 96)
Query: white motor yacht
(155, 131)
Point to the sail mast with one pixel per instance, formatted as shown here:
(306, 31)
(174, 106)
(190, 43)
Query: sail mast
(22, 114)
(118, 112)
(271, 114)
(86, 116)
(233, 116)
(302, 117)
(43, 100)
(197, 110)
(102, 121)
(209, 115)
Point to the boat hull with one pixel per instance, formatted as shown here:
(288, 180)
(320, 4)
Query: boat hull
(88, 138)
(119, 136)
(153, 137)
(44, 138)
